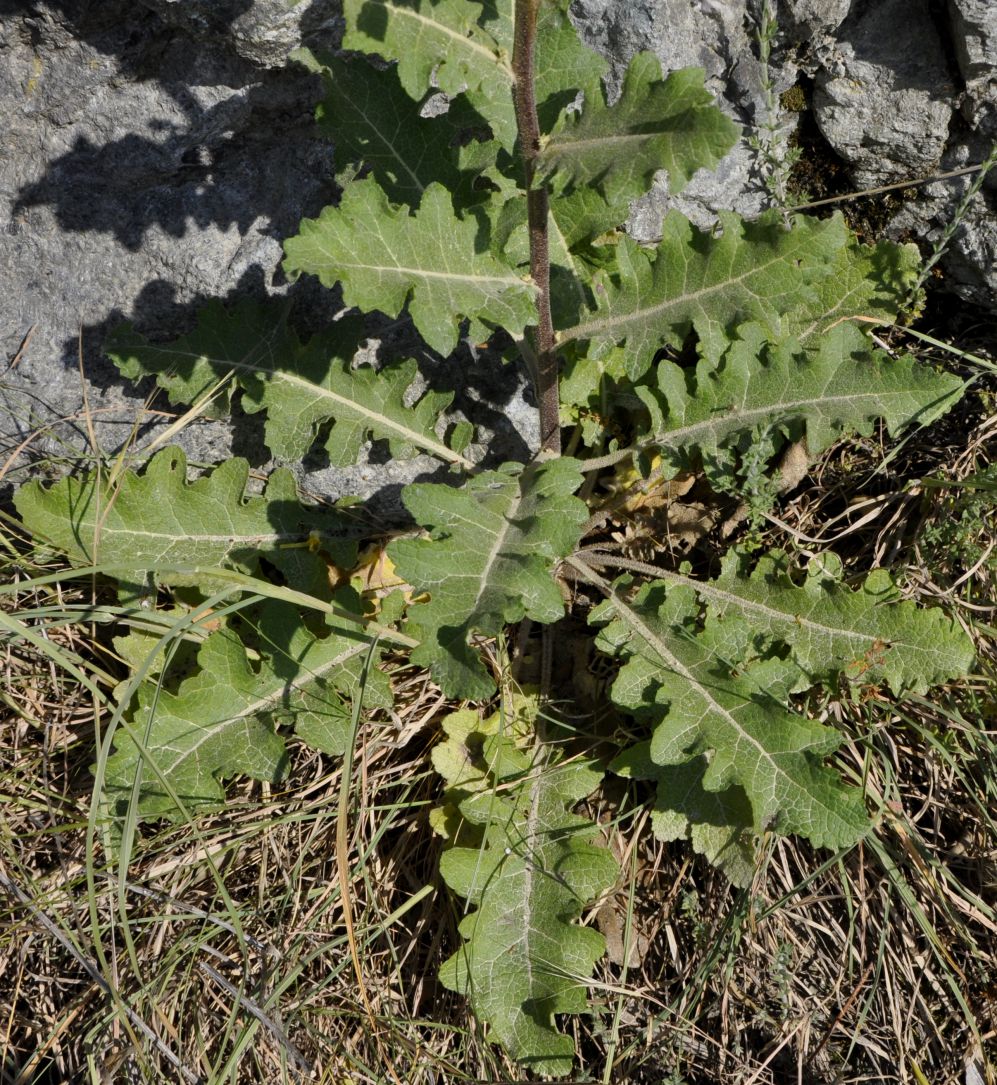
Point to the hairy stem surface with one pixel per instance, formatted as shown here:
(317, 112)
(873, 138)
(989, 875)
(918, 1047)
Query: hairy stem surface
(528, 125)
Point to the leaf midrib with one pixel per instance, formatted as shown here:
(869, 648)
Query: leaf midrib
(558, 148)
(413, 436)
(501, 535)
(633, 619)
(739, 417)
(423, 273)
(711, 591)
(673, 301)
(256, 707)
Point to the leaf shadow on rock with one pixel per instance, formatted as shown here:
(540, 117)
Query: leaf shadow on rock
(212, 159)
(235, 150)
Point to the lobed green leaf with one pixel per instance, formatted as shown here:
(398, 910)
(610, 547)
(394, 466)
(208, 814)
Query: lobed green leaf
(387, 258)
(785, 392)
(301, 386)
(719, 824)
(523, 958)
(615, 150)
(456, 46)
(147, 521)
(374, 125)
(489, 561)
(222, 720)
(867, 635)
(734, 722)
(711, 283)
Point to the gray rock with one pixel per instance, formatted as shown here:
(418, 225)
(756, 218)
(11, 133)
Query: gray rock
(157, 154)
(974, 34)
(144, 171)
(969, 263)
(805, 21)
(885, 99)
(734, 185)
(265, 31)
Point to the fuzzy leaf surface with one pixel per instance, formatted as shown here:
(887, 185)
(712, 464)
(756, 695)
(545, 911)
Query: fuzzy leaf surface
(869, 634)
(386, 258)
(373, 122)
(453, 45)
(717, 823)
(299, 385)
(465, 48)
(656, 123)
(713, 411)
(868, 281)
(676, 678)
(158, 519)
(524, 959)
(753, 271)
(489, 561)
(222, 720)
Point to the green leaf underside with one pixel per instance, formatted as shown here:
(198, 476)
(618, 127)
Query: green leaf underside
(221, 721)
(386, 258)
(869, 635)
(151, 521)
(489, 562)
(301, 386)
(699, 706)
(524, 959)
(656, 124)
(694, 281)
(840, 387)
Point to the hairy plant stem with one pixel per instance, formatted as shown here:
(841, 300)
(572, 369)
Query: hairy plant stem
(528, 126)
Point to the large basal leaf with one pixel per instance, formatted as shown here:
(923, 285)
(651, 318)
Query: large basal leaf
(301, 386)
(780, 390)
(149, 521)
(719, 824)
(869, 282)
(868, 635)
(735, 722)
(374, 123)
(490, 561)
(524, 959)
(616, 150)
(752, 271)
(221, 721)
(386, 257)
